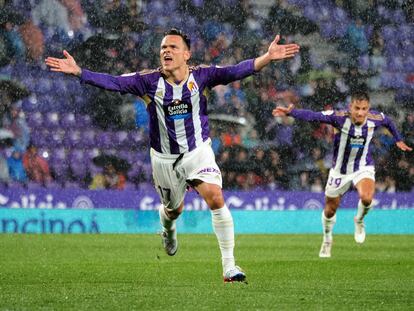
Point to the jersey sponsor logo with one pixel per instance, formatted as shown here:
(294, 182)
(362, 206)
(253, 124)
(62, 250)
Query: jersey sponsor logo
(178, 110)
(357, 142)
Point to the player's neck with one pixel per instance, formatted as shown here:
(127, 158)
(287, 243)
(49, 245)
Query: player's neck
(178, 75)
(359, 124)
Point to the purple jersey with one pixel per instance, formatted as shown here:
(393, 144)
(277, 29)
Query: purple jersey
(352, 148)
(178, 119)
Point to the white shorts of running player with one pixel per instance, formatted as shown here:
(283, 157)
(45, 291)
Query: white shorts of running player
(338, 184)
(171, 184)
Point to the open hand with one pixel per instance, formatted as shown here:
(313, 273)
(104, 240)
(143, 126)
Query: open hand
(66, 65)
(403, 146)
(280, 111)
(281, 51)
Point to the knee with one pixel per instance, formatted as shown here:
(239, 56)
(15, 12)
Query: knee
(366, 199)
(329, 212)
(215, 200)
(174, 214)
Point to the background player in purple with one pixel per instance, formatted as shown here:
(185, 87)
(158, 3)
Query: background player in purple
(352, 160)
(181, 153)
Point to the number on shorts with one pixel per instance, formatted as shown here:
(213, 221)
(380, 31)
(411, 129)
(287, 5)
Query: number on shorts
(166, 194)
(335, 181)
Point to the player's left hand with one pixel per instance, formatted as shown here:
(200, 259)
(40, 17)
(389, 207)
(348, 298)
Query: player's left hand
(280, 111)
(281, 51)
(403, 146)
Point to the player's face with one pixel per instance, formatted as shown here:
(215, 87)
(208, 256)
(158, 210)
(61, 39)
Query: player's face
(359, 111)
(174, 53)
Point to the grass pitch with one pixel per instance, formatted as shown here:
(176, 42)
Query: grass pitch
(131, 272)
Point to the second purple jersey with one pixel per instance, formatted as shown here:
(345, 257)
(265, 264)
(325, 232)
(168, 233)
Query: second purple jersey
(352, 143)
(177, 112)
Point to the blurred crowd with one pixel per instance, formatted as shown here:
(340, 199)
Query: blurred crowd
(117, 36)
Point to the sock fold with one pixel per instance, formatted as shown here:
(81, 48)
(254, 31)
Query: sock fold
(327, 226)
(362, 210)
(168, 225)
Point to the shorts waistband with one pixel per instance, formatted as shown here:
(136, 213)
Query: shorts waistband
(173, 157)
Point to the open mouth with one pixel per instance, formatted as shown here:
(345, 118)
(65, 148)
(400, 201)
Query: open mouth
(167, 59)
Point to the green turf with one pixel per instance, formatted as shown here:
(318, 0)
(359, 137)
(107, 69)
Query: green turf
(131, 272)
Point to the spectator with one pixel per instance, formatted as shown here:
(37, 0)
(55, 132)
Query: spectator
(37, 169)
(15, 165)
(402, 176)
(34, 40)
(11, 43)
(355, 42)
(141, 115)
(52, 13)
(250, 139)
(15, 121)
(408, 7)
(108, 179)
(216, 144)
(317, 184)
(408, 128)
(4, 170)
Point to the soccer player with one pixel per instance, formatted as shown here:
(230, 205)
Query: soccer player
(352, 161)
(181, 153)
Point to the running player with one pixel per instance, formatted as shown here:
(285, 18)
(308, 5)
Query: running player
(181, 152)
(352, 160)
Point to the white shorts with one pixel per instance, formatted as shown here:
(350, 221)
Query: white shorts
(171, 183)
(338, 184)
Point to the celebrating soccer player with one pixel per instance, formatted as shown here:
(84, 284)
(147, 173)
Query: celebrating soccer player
(181, 152)
(352, 161)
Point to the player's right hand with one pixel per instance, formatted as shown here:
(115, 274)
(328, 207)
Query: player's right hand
(280, 111)
(403, 146)
(66, 65)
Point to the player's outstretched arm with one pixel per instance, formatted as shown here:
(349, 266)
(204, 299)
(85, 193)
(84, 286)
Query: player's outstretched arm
(276, 52)
(328, 117)
(130, 83)
(400, 144)
(280, 111)
(66, 65)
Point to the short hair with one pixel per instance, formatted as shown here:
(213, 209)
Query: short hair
(178, 32)
(359, 95)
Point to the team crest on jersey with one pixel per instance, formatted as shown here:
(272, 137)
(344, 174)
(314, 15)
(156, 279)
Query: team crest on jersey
(160, 94)
(193, 87)
(178, 109)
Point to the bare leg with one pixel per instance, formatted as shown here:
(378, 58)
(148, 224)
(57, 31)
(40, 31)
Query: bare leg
(366, 191)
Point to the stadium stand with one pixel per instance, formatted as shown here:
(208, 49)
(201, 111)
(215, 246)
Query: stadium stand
(66, 118)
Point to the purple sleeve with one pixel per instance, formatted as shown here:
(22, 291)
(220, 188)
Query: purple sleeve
(131, 83)
(225, 75)
(392, 128)
(309, 115)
